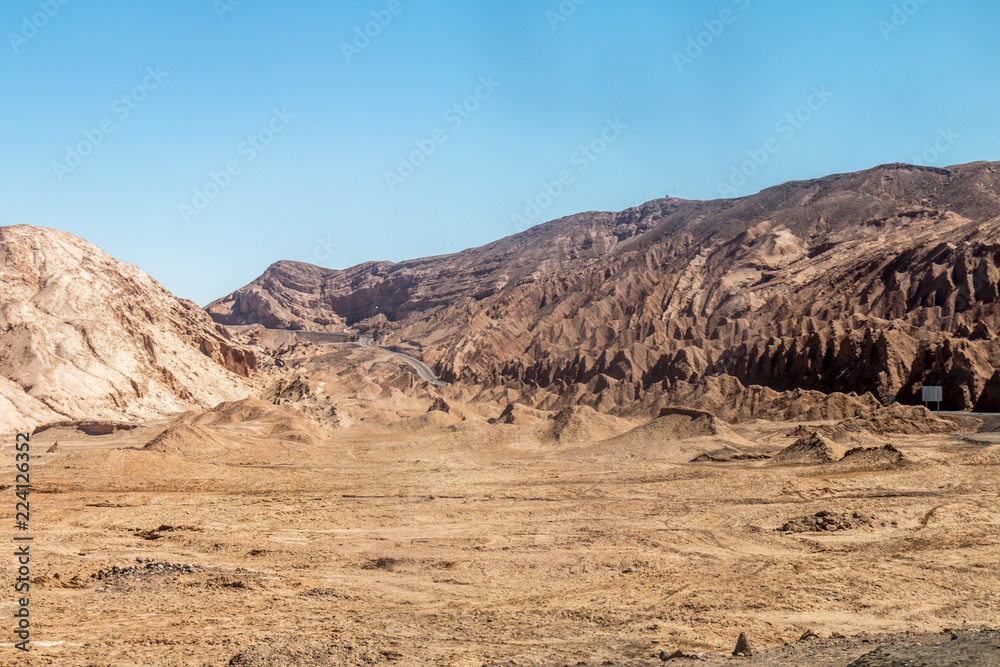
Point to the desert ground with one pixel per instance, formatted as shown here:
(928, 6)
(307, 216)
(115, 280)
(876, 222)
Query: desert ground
(249, 535)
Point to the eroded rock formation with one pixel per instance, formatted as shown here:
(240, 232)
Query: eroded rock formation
(879, 281)
(84, 336)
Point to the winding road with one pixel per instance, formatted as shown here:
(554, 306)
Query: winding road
(327, 338)
(423, 370)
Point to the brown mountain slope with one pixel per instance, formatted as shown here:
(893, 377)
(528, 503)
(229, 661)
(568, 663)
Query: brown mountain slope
(83, 335)
(882, 281)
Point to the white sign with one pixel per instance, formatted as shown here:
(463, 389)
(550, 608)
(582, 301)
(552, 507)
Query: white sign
(932, 394)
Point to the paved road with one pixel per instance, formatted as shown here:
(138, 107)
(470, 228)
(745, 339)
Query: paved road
(423, 370)
(327, 338)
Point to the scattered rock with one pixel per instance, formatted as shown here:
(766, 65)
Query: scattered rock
(241, 582)
(980, 650)
(157, 533)
(743, 647)
(516, 413)
(678, 654)
(439, 405)
(144, 569)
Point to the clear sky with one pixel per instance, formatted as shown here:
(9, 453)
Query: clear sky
(205, 139)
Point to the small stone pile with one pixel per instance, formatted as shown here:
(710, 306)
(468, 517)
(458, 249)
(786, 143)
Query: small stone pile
(825, 521)
(144, 568)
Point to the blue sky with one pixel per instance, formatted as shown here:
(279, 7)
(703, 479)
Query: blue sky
(205, 139)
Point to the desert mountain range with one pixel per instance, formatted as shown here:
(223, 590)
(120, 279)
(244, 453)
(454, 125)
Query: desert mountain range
(878, 282)
(874, 284)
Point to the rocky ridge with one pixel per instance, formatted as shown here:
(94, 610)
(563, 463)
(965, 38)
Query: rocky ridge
(86, 337)
(877, 282)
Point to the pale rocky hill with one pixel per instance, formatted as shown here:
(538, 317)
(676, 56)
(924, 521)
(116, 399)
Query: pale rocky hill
(84, 336)
(879, 281)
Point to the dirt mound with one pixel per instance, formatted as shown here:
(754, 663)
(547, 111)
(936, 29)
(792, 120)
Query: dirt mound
(430, 420)
(825, 521)
(681, 424)
(876, 458)
(243, 433)
(811, 449)
(54, 449)
(678, 435)
(238, 412)
(240, 582)
(676, 423)
(187, 441)
(264, 419)
(898, 418)
(580, 423)
(721, 455)
(728, 455)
